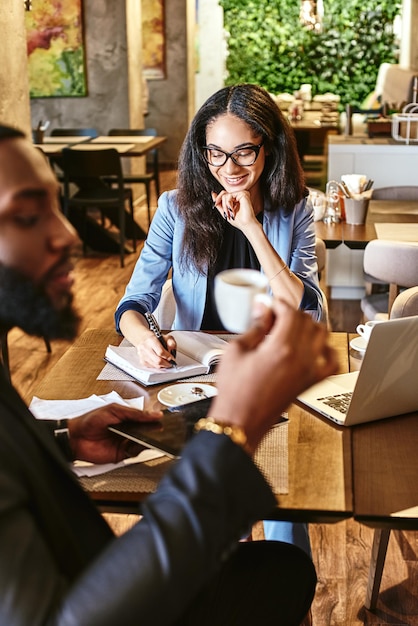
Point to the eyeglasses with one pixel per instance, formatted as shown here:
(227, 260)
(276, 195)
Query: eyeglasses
(243, 156)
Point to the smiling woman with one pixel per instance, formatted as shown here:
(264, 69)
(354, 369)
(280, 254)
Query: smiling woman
(55, 49)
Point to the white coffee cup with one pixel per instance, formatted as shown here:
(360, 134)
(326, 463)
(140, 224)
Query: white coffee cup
(235, 291)
(365, 329)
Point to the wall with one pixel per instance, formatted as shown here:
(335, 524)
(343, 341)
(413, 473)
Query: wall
(409, 36)
(108, 102)
(106, 105)
(168, 101)
(211, 51)
(14, 91)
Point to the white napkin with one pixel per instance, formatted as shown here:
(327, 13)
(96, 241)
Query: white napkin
(56, 409)
(355, 182)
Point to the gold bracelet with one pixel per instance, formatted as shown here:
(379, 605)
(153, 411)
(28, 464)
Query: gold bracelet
(235, 433)
(279, 272)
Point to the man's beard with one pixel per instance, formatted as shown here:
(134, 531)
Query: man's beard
(26, 305)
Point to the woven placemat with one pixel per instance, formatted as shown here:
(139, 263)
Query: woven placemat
(141, 478)
(271, 458)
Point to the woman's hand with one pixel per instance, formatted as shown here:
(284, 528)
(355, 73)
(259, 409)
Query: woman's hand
(236, 208)
(152, 353)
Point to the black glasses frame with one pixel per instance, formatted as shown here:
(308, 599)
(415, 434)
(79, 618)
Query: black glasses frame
(230, 155)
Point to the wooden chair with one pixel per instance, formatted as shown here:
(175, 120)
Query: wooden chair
(88, 170)
(394, 263)
(56, 161)
(153, 172)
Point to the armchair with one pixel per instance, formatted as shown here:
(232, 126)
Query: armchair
(394, 263)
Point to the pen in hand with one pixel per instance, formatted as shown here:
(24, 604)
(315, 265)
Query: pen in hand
(153, 324)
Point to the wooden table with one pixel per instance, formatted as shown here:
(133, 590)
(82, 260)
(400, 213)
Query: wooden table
(346, 243)
(320, 453)
(138, 145)
(380, 211)
(368, 472)
(320, 487)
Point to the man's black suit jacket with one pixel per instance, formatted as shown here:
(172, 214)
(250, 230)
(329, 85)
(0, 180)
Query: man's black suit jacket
(59, 561)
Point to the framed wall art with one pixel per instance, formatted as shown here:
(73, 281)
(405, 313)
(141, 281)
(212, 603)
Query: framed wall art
(153, 39)
(56, 52)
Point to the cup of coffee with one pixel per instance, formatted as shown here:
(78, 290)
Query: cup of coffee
(235, 291)
(365, 329)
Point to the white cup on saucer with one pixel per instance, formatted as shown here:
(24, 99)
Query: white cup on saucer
(235, 291)
(364, 330)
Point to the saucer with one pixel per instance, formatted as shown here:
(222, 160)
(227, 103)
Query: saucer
(174, 395)
(359, 344)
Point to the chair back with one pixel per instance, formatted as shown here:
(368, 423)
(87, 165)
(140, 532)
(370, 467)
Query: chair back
(394, 263)
(166, 308)
(74, 132)
(88, 169)
(91, 163)
(406, 304)
(403, 192)
(139, 132)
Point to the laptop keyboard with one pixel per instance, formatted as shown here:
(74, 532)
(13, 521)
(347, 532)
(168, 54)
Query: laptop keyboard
(340, 402)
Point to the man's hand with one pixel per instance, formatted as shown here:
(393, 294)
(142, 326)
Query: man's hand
(260, 375)
(92, 441)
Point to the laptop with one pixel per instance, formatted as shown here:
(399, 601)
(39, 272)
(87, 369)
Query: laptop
(386, 385)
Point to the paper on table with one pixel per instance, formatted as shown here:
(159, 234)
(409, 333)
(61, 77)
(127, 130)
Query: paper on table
(82, 468)
(56, 409)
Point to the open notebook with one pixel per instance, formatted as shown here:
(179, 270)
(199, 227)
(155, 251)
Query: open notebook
(197, 353)
(386, 385)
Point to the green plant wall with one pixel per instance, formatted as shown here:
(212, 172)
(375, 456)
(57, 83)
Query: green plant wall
(267, 45)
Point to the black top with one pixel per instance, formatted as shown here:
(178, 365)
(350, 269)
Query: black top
(236, 251)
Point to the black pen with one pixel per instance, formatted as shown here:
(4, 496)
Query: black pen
(153, 324)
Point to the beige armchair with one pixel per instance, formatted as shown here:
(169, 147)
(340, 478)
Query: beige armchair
(394, 263)
(406, 304)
